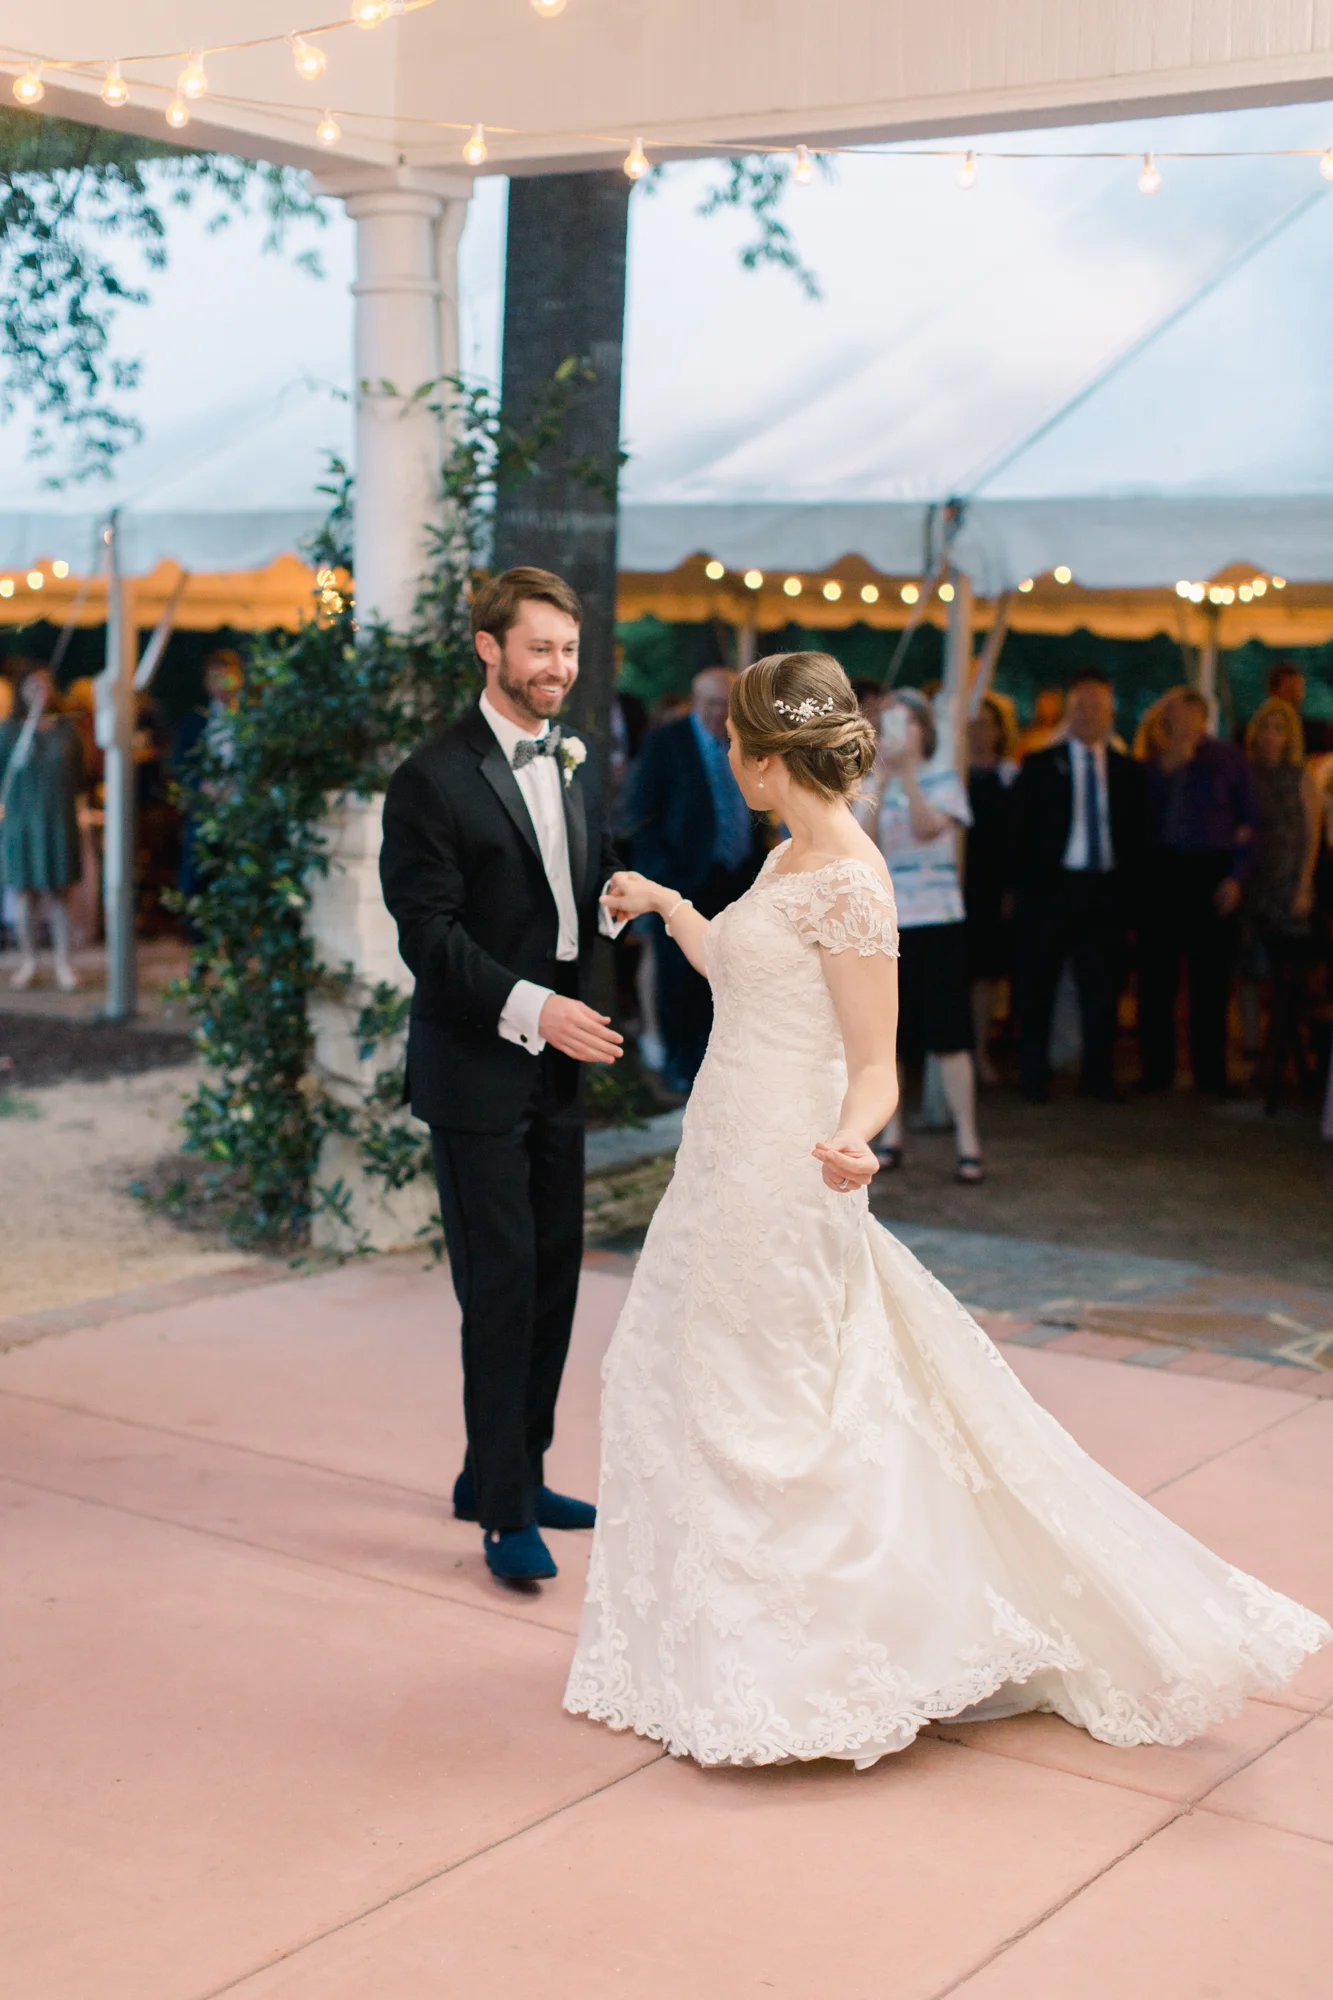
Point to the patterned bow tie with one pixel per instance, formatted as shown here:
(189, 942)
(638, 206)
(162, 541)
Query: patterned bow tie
(529, 747)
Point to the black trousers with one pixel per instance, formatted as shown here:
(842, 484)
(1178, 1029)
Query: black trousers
(512, 1204)
(684, 996)
(1079, 920)
(1179, 923)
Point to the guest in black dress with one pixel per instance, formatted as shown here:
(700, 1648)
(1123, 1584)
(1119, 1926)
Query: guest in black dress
(986, 900)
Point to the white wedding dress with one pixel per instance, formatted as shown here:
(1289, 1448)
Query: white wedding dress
(829, 1511)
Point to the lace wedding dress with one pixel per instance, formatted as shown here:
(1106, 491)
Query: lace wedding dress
(829, 1511)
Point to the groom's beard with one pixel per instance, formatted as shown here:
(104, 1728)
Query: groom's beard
(540, 708)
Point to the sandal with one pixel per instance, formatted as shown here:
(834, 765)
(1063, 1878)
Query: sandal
(890, 1158)
(970, 1170)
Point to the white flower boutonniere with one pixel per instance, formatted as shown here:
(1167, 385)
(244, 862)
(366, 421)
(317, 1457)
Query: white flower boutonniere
(572, 753)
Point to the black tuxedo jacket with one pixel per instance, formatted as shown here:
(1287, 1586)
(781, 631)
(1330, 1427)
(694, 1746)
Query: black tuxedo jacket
(463, 879)
(1043, 805)
(669, 810)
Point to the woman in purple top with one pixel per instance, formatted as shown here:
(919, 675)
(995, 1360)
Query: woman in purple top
(1201, 817)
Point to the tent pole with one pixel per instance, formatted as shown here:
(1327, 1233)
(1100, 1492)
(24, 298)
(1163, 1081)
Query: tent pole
(1207, 676)
(115, 736)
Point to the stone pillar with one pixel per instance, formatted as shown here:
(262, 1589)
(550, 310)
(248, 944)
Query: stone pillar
(406, 334)
(565, 296)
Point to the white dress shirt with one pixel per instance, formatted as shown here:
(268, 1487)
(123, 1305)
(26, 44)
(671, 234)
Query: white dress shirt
(541, 782)
(1076, 847)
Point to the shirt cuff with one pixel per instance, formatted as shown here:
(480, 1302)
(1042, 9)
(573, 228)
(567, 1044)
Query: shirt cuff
(607, 925)
(521, 1014)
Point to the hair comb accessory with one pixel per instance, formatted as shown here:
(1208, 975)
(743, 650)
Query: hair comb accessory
(804, 711)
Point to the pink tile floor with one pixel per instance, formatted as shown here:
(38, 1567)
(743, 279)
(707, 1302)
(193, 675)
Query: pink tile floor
(267, 1729)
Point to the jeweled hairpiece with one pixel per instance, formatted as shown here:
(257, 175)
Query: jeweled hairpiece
(805, 710)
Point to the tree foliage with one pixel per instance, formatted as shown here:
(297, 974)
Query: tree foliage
(69, 195)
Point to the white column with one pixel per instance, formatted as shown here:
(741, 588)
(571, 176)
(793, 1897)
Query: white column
(408, 225)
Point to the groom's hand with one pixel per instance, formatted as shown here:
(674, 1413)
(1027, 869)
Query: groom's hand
(577, 1031)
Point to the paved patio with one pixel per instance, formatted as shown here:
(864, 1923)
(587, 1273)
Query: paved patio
(270, 1730)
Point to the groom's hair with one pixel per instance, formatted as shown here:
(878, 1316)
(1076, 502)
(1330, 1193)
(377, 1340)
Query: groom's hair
(496, 605)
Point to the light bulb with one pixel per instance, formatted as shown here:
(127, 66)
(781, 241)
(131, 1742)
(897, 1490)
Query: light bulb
(909, 593)
(833, 591)
(792, 586)
(967, 173)
(1062, 573)
(636, 161)
(192, 82)
(548, 9)
(1027, 583)
(1326, 165)
(369, 13)
(1215, 593)
(715, 570)
(1228, 594)
(1197, 593)
(870, 593)
(60, 569)
(1183, 588)
(328, 131)
(754, 579)
(946, 593)
(804, 170)
(6, 586)
(1244, 593)
(35, 579)
(29, 88)
(311, 62)
(115, 90)
(1258, 585)
(1279, 582)
(178, 114)
(1149, 180)
(475, 150)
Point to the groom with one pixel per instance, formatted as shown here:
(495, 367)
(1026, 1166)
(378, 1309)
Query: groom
(494, 854)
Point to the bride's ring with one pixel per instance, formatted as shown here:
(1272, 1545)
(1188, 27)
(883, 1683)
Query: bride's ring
(844, 1184)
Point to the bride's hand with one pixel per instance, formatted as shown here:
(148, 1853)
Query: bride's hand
(847, 1163)
(628, 894)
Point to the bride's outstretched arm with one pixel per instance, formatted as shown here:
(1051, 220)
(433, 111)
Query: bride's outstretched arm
(630, 895)
(865, 997)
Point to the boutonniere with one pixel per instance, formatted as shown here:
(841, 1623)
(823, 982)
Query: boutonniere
(572, 753)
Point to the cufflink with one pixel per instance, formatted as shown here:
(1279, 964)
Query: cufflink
(524, 1040)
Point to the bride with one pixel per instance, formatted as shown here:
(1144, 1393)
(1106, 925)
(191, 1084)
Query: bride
(829, 1512)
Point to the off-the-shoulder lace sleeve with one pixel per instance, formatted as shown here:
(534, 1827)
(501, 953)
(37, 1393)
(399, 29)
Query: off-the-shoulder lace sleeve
(845, 907)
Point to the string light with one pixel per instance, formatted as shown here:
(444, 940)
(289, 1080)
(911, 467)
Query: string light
(870, 593)
(29, 88)
(60, 569)
(804, 170)
(1258, 585)
(35, 579)
(946, 593)
(833, 591)
(328, 131)
(370, 13)
(192, 81)
(754, 579)
(967, 173)
(1149, 180)
(636, 161)
(178, 114)
(909, 593)
(1027, 584)
(115, 91)
(6, 586)
(475, 150)
(1326, 165)
(548, 9)
(792, 586)
(715, 570)
(1062, 573)
(1278, 582)
(311, 62)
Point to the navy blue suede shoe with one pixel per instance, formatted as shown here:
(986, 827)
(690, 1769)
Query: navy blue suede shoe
(519, 1556)
(554, 1510)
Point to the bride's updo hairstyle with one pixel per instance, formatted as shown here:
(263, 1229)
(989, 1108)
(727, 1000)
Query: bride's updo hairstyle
(800, 707)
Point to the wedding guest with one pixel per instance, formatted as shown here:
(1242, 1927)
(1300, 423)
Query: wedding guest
(688, 824)
(914, 812)
(1279, 891)
(224, 677)
(41, 776)
(1201, 812)
(1080, 822)
(991, 771)
(1047, 725)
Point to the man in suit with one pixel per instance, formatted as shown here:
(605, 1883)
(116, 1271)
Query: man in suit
(1079, 830)
(494, 853)
(689, 826)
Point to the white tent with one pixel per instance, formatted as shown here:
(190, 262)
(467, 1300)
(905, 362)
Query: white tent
(1135, 386)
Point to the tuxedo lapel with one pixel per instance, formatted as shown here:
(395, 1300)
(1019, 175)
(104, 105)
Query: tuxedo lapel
(576, 832)
(495, 770)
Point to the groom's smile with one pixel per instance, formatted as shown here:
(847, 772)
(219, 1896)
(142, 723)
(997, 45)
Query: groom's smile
(531, 670)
